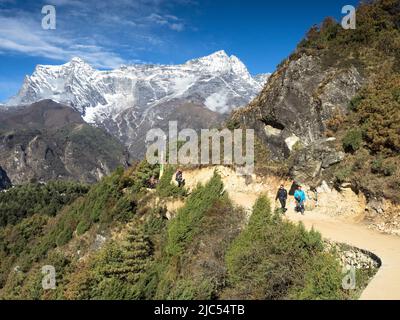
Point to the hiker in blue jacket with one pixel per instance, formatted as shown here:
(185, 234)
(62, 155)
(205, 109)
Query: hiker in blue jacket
(300, 198)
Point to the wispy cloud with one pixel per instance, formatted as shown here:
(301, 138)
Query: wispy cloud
(23, 36)
(169, 21)
(97, 31)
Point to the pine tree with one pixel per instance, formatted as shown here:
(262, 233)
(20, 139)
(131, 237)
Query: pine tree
(135, 257)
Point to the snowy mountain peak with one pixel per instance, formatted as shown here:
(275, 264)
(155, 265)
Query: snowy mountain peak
(218, 55)
(75, 64)
(129, 100)
(77, 60)
(220, 62)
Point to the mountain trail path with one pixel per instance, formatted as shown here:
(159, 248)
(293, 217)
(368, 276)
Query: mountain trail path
(347, 227)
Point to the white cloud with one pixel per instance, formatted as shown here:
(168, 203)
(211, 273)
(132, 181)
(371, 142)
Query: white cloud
(177, 26)
(21, 35)
(170, 21)
(61, 3)
(97, 31)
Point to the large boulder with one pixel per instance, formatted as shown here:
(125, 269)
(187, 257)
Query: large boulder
(309, 161)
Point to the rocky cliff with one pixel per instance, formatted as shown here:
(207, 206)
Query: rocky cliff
(336, 98)
(298, 100)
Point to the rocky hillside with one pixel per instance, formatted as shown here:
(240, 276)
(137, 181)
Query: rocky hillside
(46, 141)
(130, 100)
(331, 109)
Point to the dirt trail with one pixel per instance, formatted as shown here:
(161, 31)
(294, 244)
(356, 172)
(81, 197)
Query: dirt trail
(344, 229)
(386, 284)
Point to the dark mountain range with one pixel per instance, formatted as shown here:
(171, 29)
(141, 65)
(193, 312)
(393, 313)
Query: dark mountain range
(47, 140)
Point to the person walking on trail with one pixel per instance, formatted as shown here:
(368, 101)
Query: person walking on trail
(179, 178)
(282, 196)
(153, 182)
(300, 198)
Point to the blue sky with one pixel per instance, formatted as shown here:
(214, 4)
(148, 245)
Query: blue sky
(110, 33)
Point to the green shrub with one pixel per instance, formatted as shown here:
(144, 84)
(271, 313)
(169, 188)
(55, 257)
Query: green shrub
(352, 140)
(323, 281)
(383, 166)
(116, 272)
(47, 199)
(185, 225)
(355, 102)
(362, 158)
(100, 203)
(82, 227)
(396, 94)
(156, 221)
(187, 269)
(188, 289)
(123, 211)
(64, 237)
(111, 289)
(273, 258)
(343, 174)
(379, 114)
(142, 175)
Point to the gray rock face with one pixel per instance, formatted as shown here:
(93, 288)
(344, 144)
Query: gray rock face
(351, 257)
(375, 207)
(297, 101)
(5, 182)
(46, 141)
(309, 161)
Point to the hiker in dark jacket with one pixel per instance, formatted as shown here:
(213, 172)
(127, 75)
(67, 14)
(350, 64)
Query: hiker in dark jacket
(282, 195)
(179, 178)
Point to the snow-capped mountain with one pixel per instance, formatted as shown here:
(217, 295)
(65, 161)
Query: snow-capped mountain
(133, 99)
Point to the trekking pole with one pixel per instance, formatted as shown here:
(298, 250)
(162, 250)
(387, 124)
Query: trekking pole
(162, 165)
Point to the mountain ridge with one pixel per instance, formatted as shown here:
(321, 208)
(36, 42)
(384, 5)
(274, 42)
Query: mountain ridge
(131, 100)
(32, 91)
